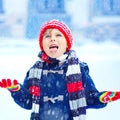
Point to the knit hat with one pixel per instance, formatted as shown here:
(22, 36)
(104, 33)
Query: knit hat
(55, 24)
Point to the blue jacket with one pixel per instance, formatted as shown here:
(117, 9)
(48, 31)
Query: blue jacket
(24, 99)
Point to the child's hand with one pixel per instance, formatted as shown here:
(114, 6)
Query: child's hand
(12, 86)
(34, 90)
(109, 96)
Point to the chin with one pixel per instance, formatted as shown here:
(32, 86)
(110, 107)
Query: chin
(55, 56)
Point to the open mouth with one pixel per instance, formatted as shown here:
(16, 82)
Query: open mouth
(53, 48)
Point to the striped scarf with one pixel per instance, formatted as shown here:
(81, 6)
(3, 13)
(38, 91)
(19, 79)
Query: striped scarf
(75, 89)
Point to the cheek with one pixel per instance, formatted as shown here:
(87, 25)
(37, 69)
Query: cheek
(44, 44)
(64, 44)
(44, 47)
(63, 47)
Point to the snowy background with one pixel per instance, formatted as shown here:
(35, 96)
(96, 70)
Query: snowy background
(17, 55)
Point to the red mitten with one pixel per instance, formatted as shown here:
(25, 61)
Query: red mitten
(34, 90)
(109, 96)
(12, 86)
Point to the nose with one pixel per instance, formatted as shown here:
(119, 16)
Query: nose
(52, 38)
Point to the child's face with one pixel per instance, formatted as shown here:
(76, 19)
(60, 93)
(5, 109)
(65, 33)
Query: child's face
(54, 43)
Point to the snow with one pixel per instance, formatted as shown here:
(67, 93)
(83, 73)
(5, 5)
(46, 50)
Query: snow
(17, 56)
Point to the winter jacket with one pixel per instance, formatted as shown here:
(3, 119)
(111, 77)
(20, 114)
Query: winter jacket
(24, 99)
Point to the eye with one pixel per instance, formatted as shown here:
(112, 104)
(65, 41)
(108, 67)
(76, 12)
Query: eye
(58, 35)
(46, 36)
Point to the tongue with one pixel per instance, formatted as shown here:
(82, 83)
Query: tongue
(53, 49)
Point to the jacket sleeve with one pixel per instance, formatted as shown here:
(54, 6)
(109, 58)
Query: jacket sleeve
(92, 94)
(22, 97)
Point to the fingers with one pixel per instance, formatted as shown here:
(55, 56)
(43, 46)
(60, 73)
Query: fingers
(12, 86)
(7, 83)
(109, 96)
(15, 82)
(1, 85)
(4, 83)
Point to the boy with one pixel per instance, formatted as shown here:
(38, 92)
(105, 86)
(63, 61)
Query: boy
(58, 86)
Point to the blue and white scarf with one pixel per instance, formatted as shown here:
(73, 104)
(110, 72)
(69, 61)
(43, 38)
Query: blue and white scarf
(77, 100)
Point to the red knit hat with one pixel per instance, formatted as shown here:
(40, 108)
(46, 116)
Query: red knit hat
(55, 24)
